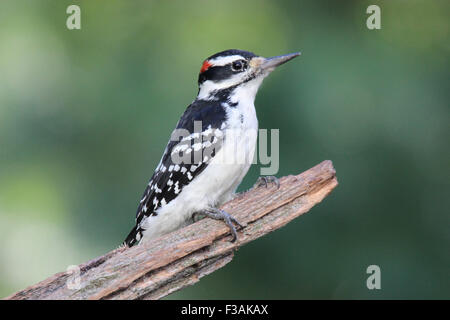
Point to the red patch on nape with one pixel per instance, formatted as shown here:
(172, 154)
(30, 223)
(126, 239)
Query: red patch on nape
(205, 66)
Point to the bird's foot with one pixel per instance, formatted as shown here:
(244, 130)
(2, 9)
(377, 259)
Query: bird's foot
(218, 214)
(265, 180)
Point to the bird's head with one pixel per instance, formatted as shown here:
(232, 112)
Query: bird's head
(236, 68)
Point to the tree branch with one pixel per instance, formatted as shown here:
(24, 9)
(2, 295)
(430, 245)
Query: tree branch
(181, 258)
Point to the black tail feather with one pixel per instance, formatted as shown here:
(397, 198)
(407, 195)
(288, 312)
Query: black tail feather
(133, 237)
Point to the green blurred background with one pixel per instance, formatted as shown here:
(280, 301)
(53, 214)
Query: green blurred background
(85, 116)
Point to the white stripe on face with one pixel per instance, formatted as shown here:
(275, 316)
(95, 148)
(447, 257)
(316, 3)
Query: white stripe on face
(221, 61)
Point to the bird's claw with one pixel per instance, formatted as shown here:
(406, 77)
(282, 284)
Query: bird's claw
(265, 180)
(218, 214)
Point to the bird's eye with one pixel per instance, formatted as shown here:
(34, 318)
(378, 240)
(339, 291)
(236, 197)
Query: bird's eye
(239, 65)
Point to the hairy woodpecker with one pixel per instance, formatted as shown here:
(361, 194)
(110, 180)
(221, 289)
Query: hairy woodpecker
(211, 148)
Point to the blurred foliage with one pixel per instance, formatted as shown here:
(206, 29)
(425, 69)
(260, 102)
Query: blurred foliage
(86, 114)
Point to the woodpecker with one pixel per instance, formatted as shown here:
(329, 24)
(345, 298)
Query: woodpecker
(210, 150)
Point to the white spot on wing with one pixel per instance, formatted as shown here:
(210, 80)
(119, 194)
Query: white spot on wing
(207, 132)
(197, 146)
(206, 144)
(179, 148)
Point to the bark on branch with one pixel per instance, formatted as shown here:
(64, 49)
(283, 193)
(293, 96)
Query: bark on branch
(182, 257)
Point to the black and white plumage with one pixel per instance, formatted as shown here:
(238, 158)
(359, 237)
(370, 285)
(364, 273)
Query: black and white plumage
(211, 148)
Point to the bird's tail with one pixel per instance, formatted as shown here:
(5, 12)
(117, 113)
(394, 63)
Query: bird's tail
(133, 237)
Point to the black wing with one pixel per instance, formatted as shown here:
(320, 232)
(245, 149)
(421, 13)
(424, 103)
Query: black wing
(197, 138)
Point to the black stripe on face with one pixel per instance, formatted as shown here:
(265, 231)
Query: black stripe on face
(216, 73)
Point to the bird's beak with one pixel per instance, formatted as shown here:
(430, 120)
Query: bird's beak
(269, 64)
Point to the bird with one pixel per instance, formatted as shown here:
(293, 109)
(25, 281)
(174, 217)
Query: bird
(210, 150)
